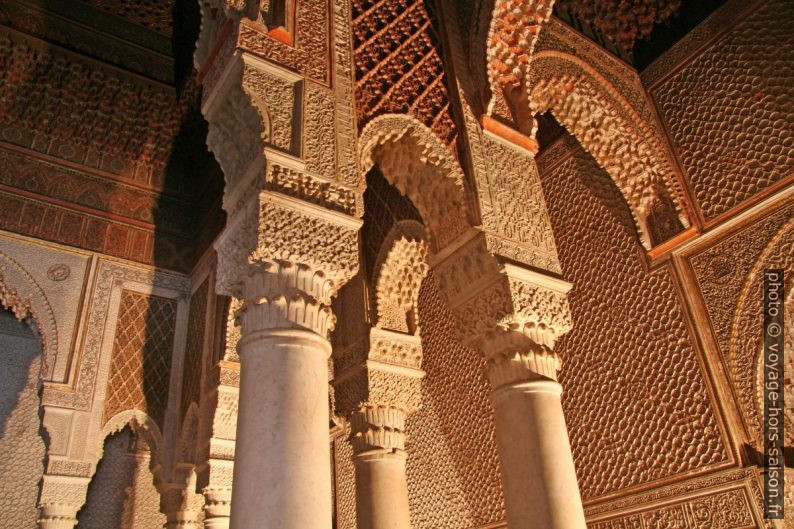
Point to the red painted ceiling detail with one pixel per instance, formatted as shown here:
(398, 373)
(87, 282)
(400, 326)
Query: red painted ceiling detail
(398, 62)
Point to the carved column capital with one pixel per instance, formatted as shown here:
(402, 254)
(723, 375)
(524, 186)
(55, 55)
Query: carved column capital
(381, 370)
(514, 314)
(58, 515)
(60, 500)
(379, 428)
(179, 504)
(217, 507)
(286, 258)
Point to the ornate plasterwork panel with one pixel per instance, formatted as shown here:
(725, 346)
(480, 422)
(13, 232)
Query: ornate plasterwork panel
(344, 487)
(398, 65)
(730, 276)
(728, 109)
(46, 283)
(101, 157)
(110, 278)
(142, 352)
(728, 500)
(60, 104)
(312, 189)
(142, 51)
(628, 323)
(513, 208)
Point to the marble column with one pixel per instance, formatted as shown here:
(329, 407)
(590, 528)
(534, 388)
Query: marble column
(538, 475)
(379, 459)
(514, 315)
(282, 474)
(290, 242)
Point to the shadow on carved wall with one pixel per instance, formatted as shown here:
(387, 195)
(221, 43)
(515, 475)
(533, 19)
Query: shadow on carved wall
(144, 342)
(22, 440)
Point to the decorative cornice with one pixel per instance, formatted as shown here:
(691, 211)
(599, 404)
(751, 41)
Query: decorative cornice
(395, 348)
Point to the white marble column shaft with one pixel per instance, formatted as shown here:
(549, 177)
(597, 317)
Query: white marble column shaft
(538, 474)
(381, 490)
(282, 476)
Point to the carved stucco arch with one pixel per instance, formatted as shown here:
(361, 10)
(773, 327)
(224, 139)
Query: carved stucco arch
(188, 436)
(239, 127)
(141, 424)
(414, 160)
(400, 268)
(745, 358)
(609, 128)
(513, 29)
(20, 292)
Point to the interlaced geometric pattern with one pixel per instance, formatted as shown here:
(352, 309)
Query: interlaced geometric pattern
(729, 110)
(191, 374)
(142, 348)
(398, 65)
(635, 399)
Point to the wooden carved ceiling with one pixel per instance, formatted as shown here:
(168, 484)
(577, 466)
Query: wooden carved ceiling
(399, 66)
(98, 149)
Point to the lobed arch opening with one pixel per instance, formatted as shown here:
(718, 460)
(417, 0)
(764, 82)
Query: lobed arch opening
(412, 159)
(608, 128)
(22, 295)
